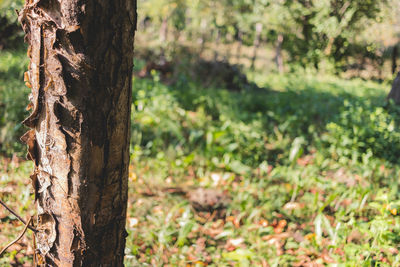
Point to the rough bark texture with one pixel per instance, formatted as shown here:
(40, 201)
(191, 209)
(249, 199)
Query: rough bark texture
(81, 54)
(395, 92)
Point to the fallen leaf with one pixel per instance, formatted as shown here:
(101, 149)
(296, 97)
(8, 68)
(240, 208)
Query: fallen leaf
(280, 227)
(310, 236)
(235, 221)
(393, 211)
(263, 223)
(293, 206)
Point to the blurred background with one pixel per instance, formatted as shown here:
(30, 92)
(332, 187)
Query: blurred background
(274, 109)
(226, 42)
(351, 38)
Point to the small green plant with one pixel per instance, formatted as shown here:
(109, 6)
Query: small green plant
(364, 131)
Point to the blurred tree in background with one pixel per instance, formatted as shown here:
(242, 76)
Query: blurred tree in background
(329, 28)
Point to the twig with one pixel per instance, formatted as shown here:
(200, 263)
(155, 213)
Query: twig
(16, 215)
(212, 216)
(34, 249)
(18, 238)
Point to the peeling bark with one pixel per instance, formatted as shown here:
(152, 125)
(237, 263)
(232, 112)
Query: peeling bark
(81, 57)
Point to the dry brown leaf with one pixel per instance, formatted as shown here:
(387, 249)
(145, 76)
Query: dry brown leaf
(293, 206)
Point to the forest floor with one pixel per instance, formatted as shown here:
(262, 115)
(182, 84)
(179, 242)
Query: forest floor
(288, 170)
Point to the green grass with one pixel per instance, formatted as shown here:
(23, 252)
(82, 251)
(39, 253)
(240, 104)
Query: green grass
(311, 164)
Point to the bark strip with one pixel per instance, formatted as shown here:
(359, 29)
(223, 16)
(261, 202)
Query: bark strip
(81, 57)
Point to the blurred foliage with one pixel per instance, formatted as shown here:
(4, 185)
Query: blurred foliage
(328, 28)
(314, 31)
(361, 132)
(10, 31)
(13, 100)
(228, 126)
(340, 34)
(310, 161)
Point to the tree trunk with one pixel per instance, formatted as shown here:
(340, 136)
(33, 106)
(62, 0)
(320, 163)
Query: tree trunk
(395, 92)
(278, 53)
(217, 41)
(81, 57)
(394, 59)
(202, 39)
(239, 47)
(256, 44)
(164, 30)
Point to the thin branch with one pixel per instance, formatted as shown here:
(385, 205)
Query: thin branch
(34, 250)
(18, 238)
(16, 215)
